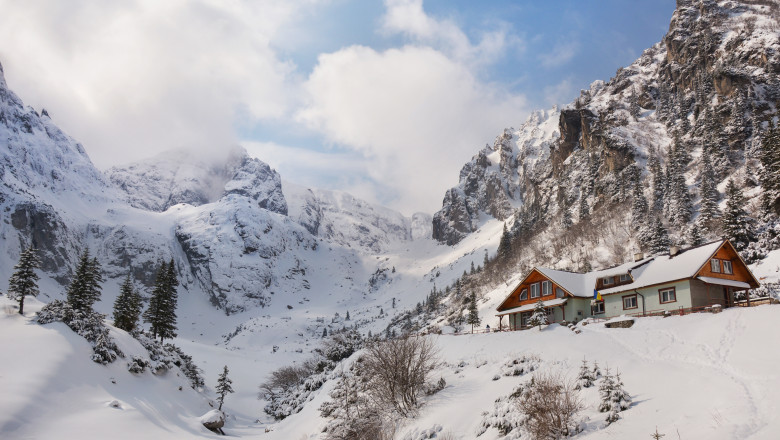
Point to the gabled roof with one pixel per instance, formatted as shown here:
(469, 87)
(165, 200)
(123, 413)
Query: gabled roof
(665, 268)
(582, 284)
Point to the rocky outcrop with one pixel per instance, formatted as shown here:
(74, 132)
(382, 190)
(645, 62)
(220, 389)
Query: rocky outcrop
(712, 80)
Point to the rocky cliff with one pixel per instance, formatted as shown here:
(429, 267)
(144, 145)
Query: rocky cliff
(711, 86)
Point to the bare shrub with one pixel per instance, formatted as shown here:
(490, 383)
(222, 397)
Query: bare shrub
(398, 370)
(550, 404)
(284, 379)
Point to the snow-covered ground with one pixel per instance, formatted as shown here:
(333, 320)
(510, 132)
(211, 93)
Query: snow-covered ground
(710, 376)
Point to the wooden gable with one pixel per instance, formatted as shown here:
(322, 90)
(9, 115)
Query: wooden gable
(740, 271)
(513, 299)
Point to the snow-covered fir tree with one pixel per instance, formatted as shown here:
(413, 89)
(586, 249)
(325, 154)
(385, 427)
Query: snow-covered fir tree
(678, 198)
(224, 387)
(473, 317)
(505, 245)
(639, 206)
(128, 306)
(708, 191)
(657, 183)
(539, 317)
(161, 313)
(737, 224)
(585, 378)
(24, 280)
(84, 289)
(770, 174)
(584, 210)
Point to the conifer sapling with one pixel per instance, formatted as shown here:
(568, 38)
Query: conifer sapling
(24, 281)
(223, 387)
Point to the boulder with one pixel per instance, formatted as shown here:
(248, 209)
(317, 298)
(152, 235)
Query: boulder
(214, 420)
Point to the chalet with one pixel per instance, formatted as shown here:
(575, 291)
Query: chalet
(682, 280)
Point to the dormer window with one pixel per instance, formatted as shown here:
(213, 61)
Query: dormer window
(727, 269)
(625, 278)
(608, 281)
(715, 265)
(523, 294)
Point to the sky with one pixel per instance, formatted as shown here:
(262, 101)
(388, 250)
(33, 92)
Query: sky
(385, 100)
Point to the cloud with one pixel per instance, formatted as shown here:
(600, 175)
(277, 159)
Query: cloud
(129, 79)
(561, 93)
(414, 113)
(408, 18)
(561, 53)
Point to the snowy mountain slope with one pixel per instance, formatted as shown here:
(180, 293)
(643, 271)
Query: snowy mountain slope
(51, 388)
(179, 176)
(703, 375)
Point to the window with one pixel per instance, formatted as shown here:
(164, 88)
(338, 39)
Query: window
(715, 265)
(727, 267)
(546, 288)
(667, 295)
(597, 308)
(625, 277)
(524, 294)
(629, 302)
(608, 281)
(559, 292)
(535, 290)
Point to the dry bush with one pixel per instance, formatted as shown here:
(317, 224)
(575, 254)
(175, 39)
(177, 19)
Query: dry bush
(550, 404)
(284, 379)
(398, 370)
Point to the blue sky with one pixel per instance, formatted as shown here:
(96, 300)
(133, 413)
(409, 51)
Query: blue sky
(383, 99)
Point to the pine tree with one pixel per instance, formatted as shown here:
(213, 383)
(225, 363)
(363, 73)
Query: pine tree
(223, 387)
(84, 289)
(161, 313)
(346, 318)
(566, 221)
(325, 332)
(694, 235)
(539, 317)
(505, 246)
(473, 269)
(606, 389)
(737, 225)
(659, 237)
(654, 166)
(24, 281)
(708, 191)
(678, 200)
(127, 307)
(473, 317)
(639, 206)
(585, 378)
(596, 370)
(633, 104)
(584, 210)
(770, 175)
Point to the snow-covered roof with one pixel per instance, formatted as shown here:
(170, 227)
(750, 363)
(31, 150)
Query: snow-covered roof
(527, 307)
(723, 282)
(582, 284)
(665, 268)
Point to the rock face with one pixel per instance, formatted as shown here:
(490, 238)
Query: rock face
(712, 80)
(175, 177)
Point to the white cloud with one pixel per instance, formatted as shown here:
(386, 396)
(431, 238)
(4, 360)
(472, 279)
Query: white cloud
(408, 17)
(414, 113)
(129, 79)
(561, 93)
(560, 54)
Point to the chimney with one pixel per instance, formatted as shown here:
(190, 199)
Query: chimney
(674, 250)
(638, 256)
